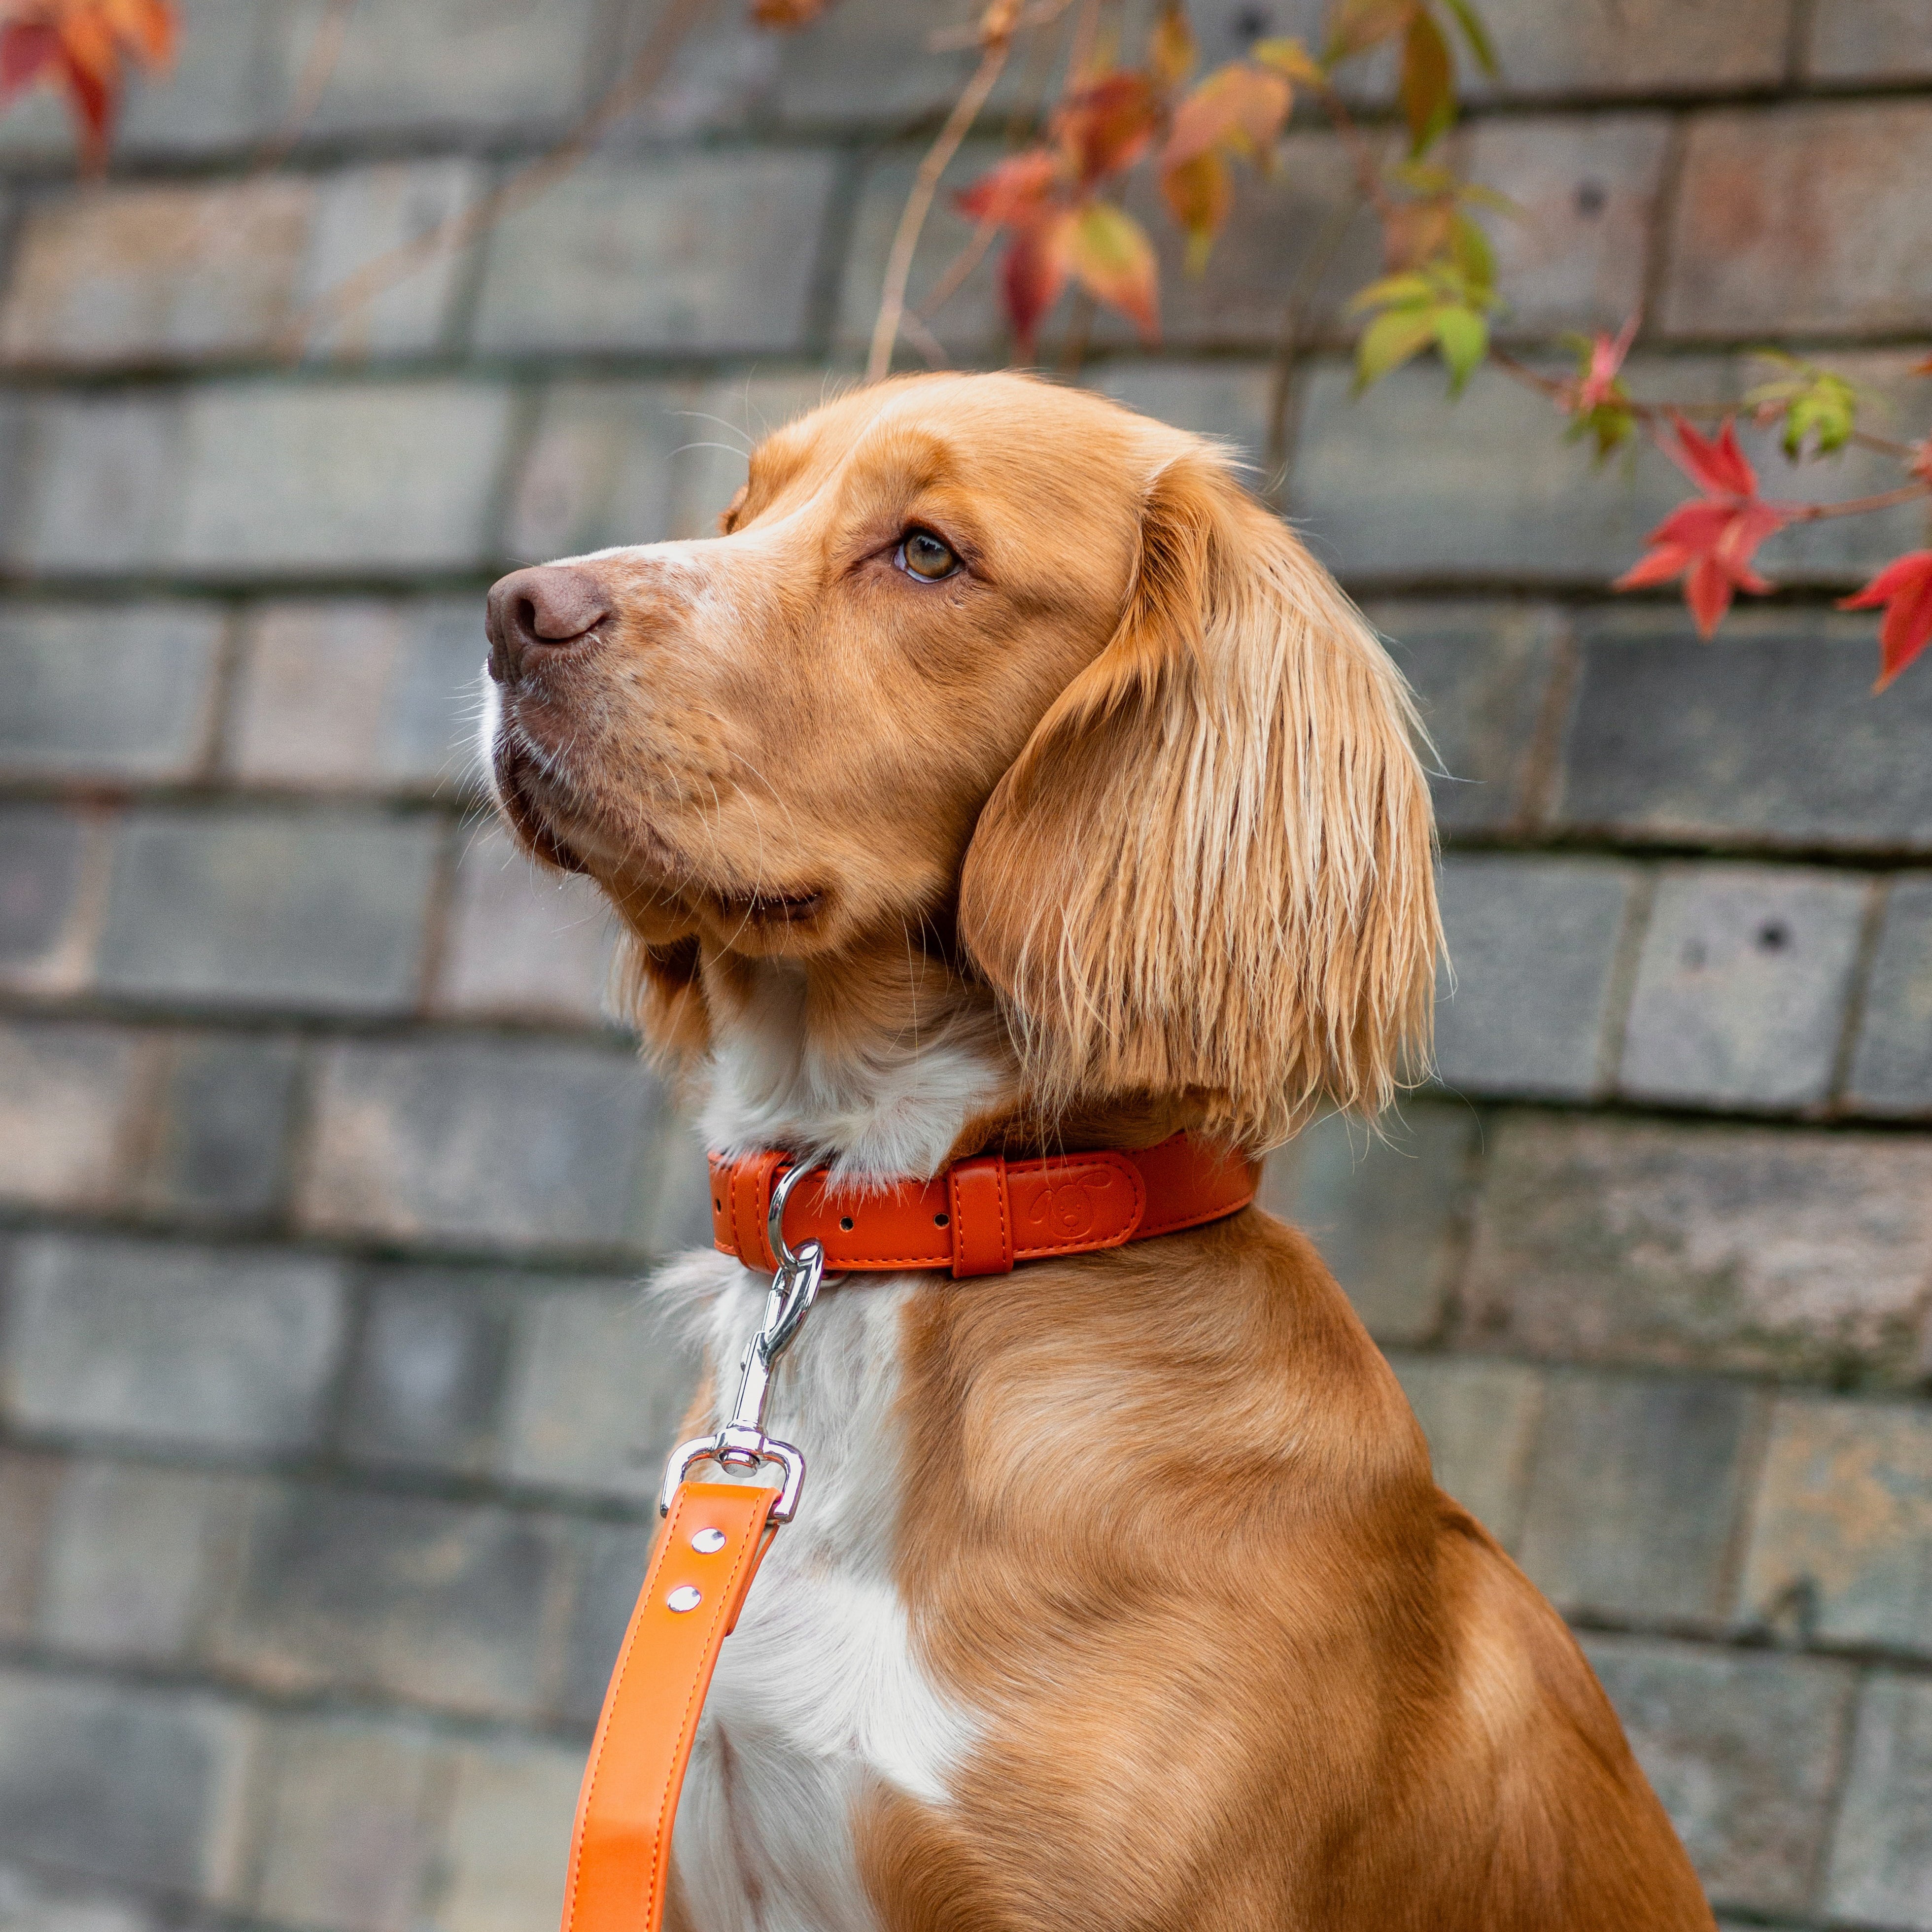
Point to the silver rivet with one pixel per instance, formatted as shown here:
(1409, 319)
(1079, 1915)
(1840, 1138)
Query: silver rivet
(684, 1597)
(708, 1542)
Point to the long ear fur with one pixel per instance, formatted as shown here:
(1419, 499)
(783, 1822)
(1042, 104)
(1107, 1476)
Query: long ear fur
(1210, 870)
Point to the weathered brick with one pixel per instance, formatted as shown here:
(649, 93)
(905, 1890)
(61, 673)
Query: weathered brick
(611, 1559)
(1841, 1538)
(523, 943)
(132, 1561)
(1227, 400)
(714, 254)
(218, 1143)
(1533, 947)
(601, 470)
(600, 1382)
(508, 1837)
(113, 1781)
(1742, 985)
(66, 1095)
(1802, 218)
(427, 1384)
(1759, 1249)
(223, 1350)
(53, 873)
(1634, 1494)
(1869, 40)
(1480, 1418)
(720, 80)
(108, 694)
(450, 66)
(1481, 673)
(1770, 735)
(1891, 1065)
(323, 911)
(1881, 1868)
(674, 1205)
(30, 1486)
(353, 694)
(480, 1142)
(327, 477)
(872, 63)
(1386, 1215)
(350, 1829)
(1744, 1748)
(28, 1903)
(439, 1604)
(1598, 47)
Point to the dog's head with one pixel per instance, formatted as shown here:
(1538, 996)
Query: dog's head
(1005, 675)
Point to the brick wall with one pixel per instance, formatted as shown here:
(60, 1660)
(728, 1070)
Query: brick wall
(329, 1408)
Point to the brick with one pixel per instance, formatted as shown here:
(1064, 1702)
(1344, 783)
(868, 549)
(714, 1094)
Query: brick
(720, 80)
(480, 1142)
(324, 911)
(1634, 1492)
(1227, 400)
(29, 1486)
(108, 1780)
(600, 1382)
(439, 1604)
(223, 1350)
(1386, 1215)
(1881, 1868)
(339, 477)
(219, 93)
(218, 1143)
(29, 1905)
(134, 1558)
(674, 1208)
(1841, 1539)
(1481, 673)
(1769, 736)
(66, 1095)
(1760, 1250)
(1586, 192)
(1801, 219)
(1741, 986)
(356, 694)
(1480, 1418)
(601, 471)
(1891, 1065)
(450, 66)
(524, 943)
(108, 695)
(1868, 40)
(1533, 947)
(1744, 1748)
(730, 417)
(53, 871)
(350, 1830)
(427, 1384)
(1599, 47)
(508, 1836)
(714, 254)
(611, 1559)
(871, 64)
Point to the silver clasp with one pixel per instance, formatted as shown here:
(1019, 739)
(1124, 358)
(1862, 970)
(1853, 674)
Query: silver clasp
(743, 1444)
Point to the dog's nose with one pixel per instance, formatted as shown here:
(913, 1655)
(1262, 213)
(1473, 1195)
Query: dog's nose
(547, 608)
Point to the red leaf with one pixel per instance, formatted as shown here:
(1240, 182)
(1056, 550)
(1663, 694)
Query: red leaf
(1717, 469)
(1904, 587)
(1016, 193)
(1032, 275)
(84, 46)
(26, 48)
(1107, 125)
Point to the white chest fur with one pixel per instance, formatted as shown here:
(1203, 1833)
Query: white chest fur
(817, 1692)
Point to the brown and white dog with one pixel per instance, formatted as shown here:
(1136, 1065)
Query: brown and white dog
(1003, 777)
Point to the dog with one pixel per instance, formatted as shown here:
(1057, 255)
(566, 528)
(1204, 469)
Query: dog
(1003, 778)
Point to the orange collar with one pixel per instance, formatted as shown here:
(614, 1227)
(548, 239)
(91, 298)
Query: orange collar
(981, 1216)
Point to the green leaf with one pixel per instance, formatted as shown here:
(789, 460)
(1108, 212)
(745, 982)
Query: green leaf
(1290, 58)
(1464, 338)
(1428, 83)
(1389, 341)
(1473, 253)
(1402, 291)
(1475, 33)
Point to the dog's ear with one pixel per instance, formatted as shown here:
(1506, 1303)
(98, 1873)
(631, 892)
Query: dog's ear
(1210, 871)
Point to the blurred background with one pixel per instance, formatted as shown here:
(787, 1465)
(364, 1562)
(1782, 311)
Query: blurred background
(329, 1407)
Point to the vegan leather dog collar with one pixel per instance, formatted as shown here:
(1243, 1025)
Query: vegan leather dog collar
(981, 1216)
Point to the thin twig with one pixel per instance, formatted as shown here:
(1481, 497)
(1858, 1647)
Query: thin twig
(541, 175)
(325, 54)
(998, 29)
(1859, 506)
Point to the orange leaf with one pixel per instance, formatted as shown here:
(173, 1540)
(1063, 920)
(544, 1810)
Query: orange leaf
(1904, 588)
(1237, 105)
(83, 46)
(1199, 195)
(1106, 126)
(1109, 251)
(1016, 192)
(1172, 52)
(1358, 25)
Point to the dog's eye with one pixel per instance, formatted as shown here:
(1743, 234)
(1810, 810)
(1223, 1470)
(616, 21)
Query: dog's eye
(921, 554)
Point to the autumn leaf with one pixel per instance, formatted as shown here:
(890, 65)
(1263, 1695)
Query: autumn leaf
(787, 16)
(1438, 303)
(1014, 193)
(1475, 34)
(1904, 588)
(1033, 274)
(1171, 52)
(1427, 86)
(1710, 543)
(83, 47)
(1107, 125)
(1594, 398)
(1813, 402)
(1290, 57)
(1237, 110)
(1357, 25)
(1199, 194)
(1110, 253)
